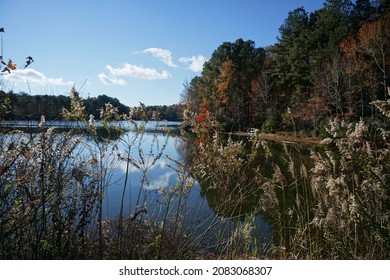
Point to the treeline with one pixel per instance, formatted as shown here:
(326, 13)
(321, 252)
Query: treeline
(22, 106)
(165, 112)
(332, 62)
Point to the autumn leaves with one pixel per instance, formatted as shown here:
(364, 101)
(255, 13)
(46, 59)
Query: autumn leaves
(10, 66)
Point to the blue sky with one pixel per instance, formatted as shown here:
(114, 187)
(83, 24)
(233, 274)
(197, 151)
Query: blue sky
(134, 50)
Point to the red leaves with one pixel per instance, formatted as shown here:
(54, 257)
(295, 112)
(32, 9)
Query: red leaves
(203, 116)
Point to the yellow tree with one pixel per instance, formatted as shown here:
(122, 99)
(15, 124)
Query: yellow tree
(224, 84)
(223, 99)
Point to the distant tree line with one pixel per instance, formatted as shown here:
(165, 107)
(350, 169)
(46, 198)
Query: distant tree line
(165, 112)
(332, 62)
(22, 106)
(31, 107)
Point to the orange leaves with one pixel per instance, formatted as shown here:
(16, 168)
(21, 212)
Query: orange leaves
(10, 65)
(352, 61)
(374, 36)
(371, 41)
(226, 70)
(374, 39)
(348, 46)
(225, 81)
(368, 33)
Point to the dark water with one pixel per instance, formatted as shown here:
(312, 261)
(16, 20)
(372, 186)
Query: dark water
(150, 182)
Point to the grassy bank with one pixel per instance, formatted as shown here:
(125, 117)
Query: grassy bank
(282, 137)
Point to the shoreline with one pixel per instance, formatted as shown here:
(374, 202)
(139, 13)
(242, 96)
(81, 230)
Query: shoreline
(282, 137)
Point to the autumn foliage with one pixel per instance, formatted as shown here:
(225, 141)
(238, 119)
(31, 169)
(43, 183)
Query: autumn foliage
(203, 115)
(332, 62)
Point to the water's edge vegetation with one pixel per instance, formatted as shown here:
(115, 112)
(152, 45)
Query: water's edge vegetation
(53, 184)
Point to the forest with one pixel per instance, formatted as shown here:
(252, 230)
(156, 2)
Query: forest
(332, 62)
(22, 106)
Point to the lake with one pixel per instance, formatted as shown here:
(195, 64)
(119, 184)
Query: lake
(152, 180)
(159, 168)
(228, 196)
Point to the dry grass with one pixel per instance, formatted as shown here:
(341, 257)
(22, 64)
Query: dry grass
(285, 137)
(52, 187)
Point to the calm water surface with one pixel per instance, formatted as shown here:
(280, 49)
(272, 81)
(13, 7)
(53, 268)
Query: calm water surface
(146, 186)
(152, 174)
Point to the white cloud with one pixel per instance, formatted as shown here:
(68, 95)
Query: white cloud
(154, 182)
(129, 70)
(161, 182)
(111, 80)
(162, 54)
(34, 77)
(195, 63)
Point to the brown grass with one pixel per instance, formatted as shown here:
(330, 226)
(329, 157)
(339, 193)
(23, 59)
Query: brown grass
(284, 137)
